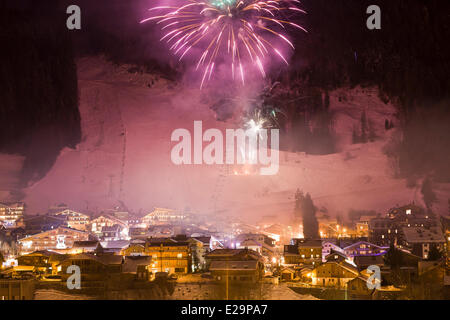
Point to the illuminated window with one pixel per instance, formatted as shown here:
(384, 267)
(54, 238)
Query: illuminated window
(180, 255)
(408, 211)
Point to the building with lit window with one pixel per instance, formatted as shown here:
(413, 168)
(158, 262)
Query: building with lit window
(59, 239)
(388, 229)
(169, 256)
(74, 220)
(109, 228)
(364, 248)
(334, 274)
(163, 215)
(92, 267)
(11, 214)
(303, 251)
(420, 240)
(16, 289)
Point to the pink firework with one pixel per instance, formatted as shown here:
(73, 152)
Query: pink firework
(243, 30)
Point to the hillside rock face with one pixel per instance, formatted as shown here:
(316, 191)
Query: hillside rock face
(38, 91)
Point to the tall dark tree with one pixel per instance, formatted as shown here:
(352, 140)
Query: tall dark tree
(434, 254)
(305, 208)
(298, 209)
(393, 257)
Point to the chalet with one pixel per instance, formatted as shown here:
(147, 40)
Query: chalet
(140, 266)
(105, 220)
(44, 262)
(134, 249)
(162, 215)
(110, 233)
(336, 256)
(11, 214)
(260, 247)
(363, 248)
(84, 246)
(363, 262)
(169, 256)
(358, 289)
(61, 238)
(40, 223)
(328, 227)
(114, 246)
(37, 259)
(362, 226)
(388, 229)
(17, 289)
(232, 255)
(303, 251)
(421, 240)
(8, 245)
(328, 247)
(92, 267)
(333, 274)
(237, 271)
(304, 273)
(291, 255)
(261, 238)
(74, 219)
(161, 230)
(287, 274)
(139, 233)
(200, 246)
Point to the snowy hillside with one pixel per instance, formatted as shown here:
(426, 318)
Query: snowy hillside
(127, 121)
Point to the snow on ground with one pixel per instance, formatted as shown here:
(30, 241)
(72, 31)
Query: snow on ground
(50, 294)
(195, 291)
(127, 121)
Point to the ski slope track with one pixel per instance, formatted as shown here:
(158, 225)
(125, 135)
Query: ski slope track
(124, 156)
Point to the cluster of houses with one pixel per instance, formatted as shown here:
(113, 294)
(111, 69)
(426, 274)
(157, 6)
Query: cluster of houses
(419, 239)
(167, 242)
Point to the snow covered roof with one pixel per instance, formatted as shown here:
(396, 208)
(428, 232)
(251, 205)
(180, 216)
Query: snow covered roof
(131, 263)
(85, 244)
(368, 244)
(422, 234)
(115, 244)
(305, 243)
(204, 240)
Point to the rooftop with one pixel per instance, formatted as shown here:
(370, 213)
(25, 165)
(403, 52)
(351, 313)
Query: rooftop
(422, 234)
(233, 265)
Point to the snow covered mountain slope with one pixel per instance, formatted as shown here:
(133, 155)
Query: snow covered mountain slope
(127, 121)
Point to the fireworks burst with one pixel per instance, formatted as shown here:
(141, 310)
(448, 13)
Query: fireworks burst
(242, 30)
(256, 121)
